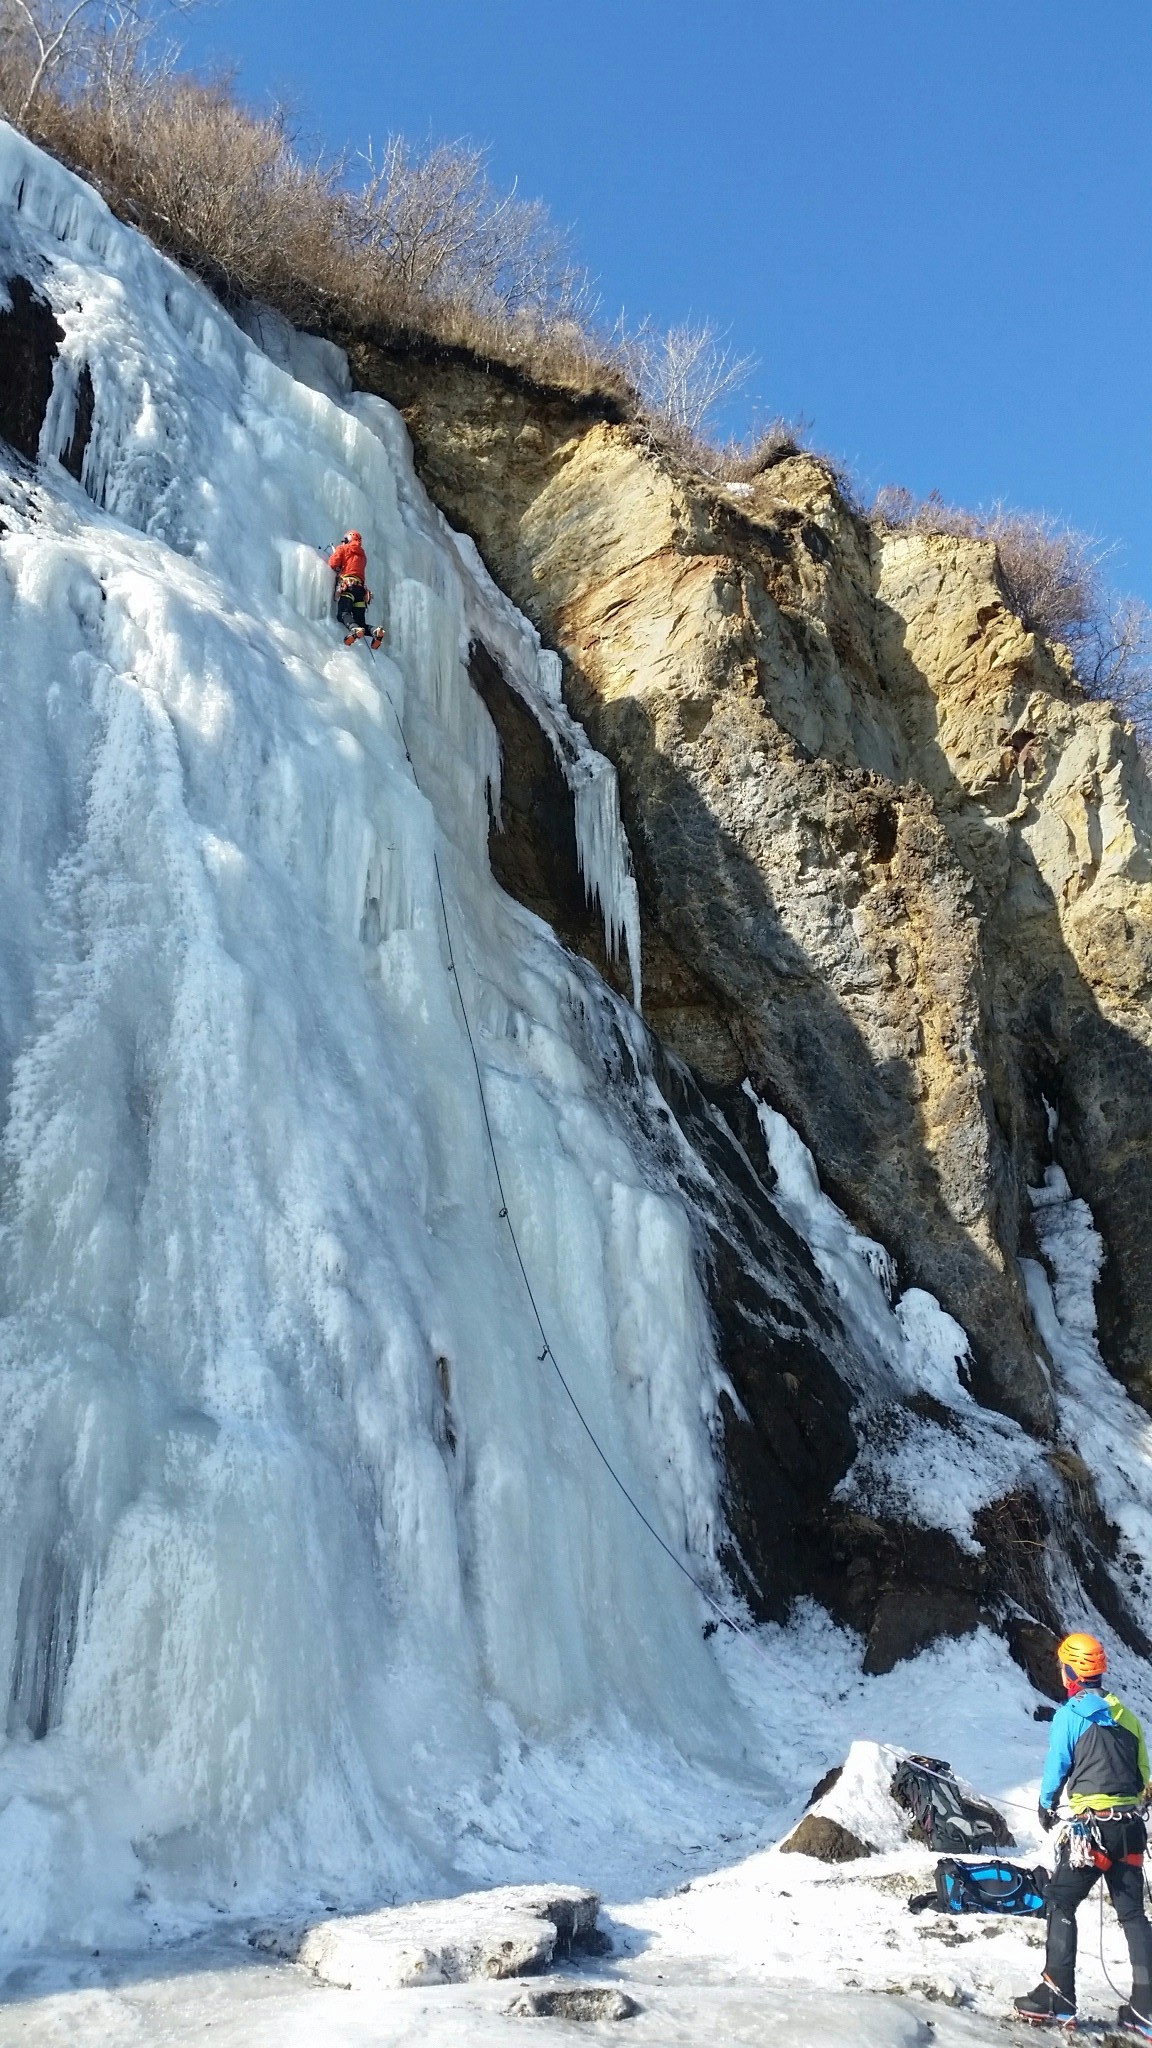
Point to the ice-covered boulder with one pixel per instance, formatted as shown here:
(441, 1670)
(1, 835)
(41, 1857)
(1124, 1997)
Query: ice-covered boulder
(574, 2002)
(511, 1931)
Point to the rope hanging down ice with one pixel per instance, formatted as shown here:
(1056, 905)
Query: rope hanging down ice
(730, 1620)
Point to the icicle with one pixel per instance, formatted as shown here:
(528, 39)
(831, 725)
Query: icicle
(535, 673)
(605, 863)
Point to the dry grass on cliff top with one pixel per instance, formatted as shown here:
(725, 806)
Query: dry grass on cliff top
(403, 246)
(411, 249)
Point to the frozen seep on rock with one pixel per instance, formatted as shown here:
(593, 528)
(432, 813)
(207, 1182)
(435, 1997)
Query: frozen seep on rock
(300, 1543)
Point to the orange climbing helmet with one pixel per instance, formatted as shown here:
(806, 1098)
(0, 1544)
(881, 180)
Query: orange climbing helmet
(1084, 1656)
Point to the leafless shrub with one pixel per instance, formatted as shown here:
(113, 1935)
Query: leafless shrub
(1053, 578)
(443, 228)
(1116, 663)
(741, 462)
(682, 375)
(62, 45)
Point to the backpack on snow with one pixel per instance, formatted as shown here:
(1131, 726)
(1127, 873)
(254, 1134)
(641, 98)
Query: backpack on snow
(983, 1888)
(941, 1816)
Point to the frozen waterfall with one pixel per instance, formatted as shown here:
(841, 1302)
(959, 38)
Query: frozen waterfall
(300, 1541)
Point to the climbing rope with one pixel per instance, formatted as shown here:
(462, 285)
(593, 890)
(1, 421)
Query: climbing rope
(1115, 1988)
(546, 1353)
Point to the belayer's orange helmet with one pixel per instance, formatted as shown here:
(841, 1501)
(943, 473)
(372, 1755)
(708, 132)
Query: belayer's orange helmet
(1083, 1655)
(353, 536)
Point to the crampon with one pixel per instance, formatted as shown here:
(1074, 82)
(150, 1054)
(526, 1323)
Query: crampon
(1045, 2007)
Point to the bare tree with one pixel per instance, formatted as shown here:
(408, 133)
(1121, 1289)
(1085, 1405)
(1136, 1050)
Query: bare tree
(41, 36)
(1116, 657)
(682, 375)
(444, 228)
(62, 43)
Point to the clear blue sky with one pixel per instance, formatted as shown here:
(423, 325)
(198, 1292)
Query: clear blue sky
(929, 220)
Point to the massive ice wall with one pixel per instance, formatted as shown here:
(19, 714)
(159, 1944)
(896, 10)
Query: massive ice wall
(298, 1532)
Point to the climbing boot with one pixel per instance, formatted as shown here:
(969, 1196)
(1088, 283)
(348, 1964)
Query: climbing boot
(1139, 2023)
(1047, 2006)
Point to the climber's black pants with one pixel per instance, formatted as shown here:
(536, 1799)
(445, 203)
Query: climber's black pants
(1068, 1889)
(351, 604)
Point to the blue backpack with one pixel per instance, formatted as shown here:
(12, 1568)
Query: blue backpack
(992, 1887)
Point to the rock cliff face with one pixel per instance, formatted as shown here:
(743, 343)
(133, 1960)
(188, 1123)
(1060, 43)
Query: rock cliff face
(893, 865)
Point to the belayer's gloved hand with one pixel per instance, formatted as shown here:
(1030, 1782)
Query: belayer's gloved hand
(1048, 1819)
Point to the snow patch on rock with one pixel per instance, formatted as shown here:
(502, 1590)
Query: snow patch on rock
(1102, 1424)
(929, 1453)
(861, 1800)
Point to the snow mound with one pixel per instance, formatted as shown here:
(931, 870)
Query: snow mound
(860, 1802)
(859, 1814)
(511, 1931)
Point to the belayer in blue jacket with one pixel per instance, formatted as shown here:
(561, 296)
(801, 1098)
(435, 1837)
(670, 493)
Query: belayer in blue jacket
(1097, 1757)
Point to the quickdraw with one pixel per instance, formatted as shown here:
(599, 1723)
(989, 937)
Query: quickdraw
(1081, 1847)
(1081, 1844)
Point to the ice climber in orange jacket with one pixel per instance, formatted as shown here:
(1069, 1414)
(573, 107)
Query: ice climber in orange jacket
(352, 593)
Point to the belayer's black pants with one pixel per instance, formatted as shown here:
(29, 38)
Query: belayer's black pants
(1068, 1889)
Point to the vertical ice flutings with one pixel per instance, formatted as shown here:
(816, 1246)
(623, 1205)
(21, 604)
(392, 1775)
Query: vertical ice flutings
(297, 1541)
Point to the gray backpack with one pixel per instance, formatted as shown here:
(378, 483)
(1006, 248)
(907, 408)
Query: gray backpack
(942, 1818)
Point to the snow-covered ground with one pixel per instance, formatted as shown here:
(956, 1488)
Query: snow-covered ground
(739, 1945)
(312, 1591)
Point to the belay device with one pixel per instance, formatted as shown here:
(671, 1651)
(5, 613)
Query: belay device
(992, 1887)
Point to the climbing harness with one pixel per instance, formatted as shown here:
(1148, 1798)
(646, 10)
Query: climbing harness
(1081, 1845)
